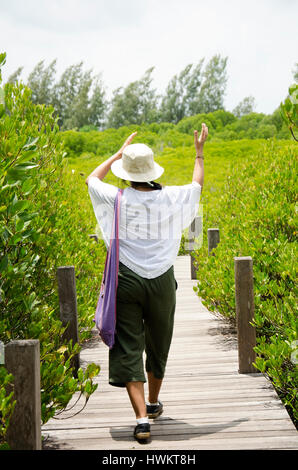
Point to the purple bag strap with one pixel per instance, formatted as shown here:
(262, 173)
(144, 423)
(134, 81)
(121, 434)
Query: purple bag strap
(115, 230)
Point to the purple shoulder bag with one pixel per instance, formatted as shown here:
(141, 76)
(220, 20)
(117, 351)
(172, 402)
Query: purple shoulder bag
(105, 315)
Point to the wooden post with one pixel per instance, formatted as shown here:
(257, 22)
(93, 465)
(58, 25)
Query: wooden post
(245, 313)
(68, 307)
(213, 239)
(193, 232)
(22, 359)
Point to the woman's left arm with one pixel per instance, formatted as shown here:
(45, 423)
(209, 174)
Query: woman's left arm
(101, 171)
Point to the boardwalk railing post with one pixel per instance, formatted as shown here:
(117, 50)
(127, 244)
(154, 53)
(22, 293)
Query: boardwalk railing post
(245, 313)
(68, 307)
(213, 239)
(22, 360)
(193, 232)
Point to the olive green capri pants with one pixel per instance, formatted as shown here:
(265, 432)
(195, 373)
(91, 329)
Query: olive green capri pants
(145, 321)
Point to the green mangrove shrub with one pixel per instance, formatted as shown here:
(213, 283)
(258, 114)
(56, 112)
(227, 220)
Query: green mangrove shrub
(31, 202)
(257, 216)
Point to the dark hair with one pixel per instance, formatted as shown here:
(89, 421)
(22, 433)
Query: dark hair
(152, 184)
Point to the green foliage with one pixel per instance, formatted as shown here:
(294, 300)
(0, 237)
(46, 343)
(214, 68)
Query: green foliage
(59, 385)
(246, 106)
(289, 110)
(7, 404)
(41, 82)
(14, 77)
(210, 96)
(256, 214)
(252, 126)
(33, 221)
(180, 93)
(2, 62)
(223, 126)
(215, 121)
(46, 216)
(249, 193)
(295, 73)
(79, 98)
(134, 104)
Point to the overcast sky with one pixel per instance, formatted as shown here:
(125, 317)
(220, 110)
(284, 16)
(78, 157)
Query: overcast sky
(123, 38)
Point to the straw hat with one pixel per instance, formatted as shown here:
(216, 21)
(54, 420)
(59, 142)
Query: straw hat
(137, 164)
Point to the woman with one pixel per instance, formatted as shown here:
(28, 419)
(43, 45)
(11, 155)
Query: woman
(152, 218)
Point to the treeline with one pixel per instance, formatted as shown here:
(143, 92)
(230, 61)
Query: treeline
(80, 98)
(223, 126)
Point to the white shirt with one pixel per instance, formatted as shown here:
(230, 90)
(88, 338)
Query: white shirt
(151, 222)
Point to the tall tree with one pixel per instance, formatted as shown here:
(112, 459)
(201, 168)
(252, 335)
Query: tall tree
(180, 93)
(210, 97)
(97, 103)
(79, 98)
(246, 106)
(41, 82)
(148, 98)
(134, 104)
(14, 77)
(66, 91)
(124, 106)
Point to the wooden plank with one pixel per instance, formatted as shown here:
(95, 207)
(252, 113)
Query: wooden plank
(172, 442)
(111, 418)
(201, 397)
(274, 416)
(197, 387)
(207, 403)
(179, 430)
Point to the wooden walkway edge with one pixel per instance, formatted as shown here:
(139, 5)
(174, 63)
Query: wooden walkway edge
(207, 403)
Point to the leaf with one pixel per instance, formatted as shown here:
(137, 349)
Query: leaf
(18, 207)
(25, 166)
(288, 105)
(4, 446)
(2, 58)
(21, 171)
(27, 186)
(282, 113)
(293, 90)
(80, 375)
(3, 263)
(15, 239)
(26, 156)
(30, 143)
(60, 370)
(2, 100)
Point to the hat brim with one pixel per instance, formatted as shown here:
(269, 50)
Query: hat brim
(119, 171)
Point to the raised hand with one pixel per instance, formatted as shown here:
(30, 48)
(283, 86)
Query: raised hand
(199, 143)
(126, 143)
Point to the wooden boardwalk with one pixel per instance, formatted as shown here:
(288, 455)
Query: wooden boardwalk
(207, 403)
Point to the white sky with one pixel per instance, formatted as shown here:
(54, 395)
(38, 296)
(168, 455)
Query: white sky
(123, 38)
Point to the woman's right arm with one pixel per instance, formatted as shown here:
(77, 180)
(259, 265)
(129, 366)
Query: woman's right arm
(101, 171)
(198, 172)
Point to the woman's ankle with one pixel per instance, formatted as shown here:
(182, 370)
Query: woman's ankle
(153, 401)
